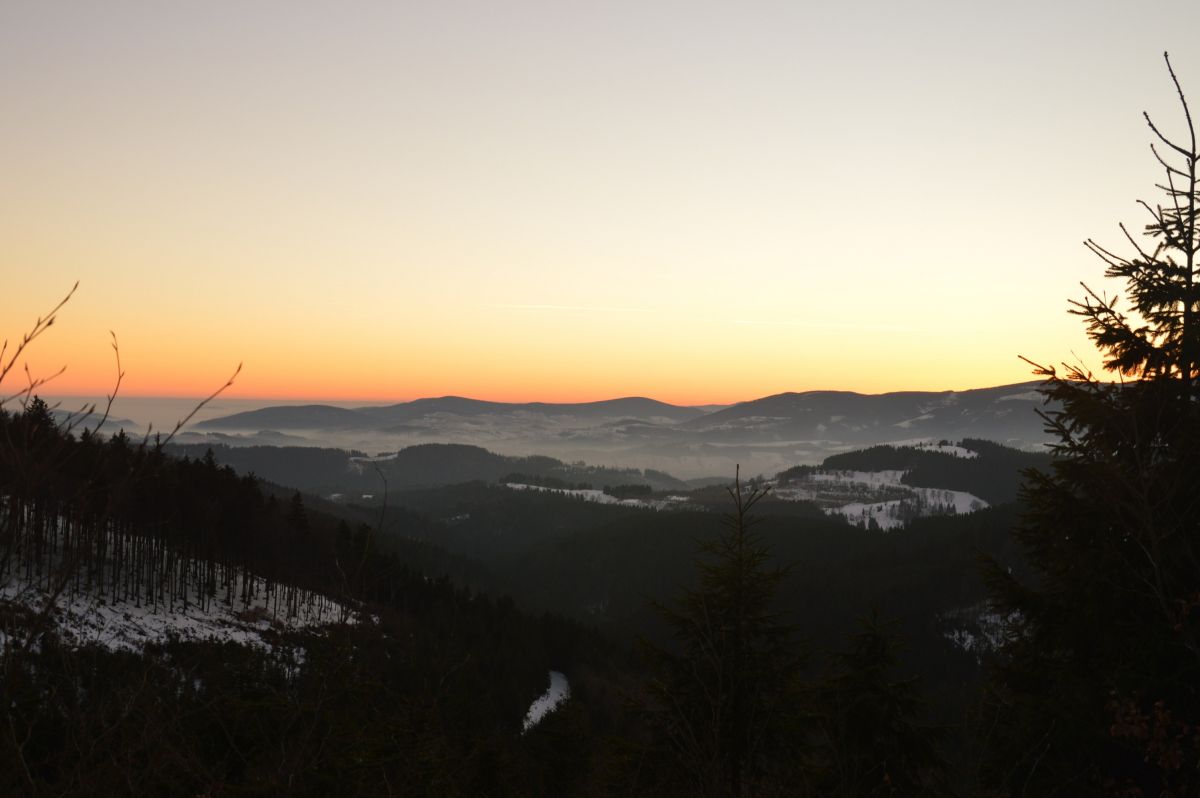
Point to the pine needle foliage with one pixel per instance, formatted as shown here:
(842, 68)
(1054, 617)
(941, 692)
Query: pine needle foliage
(723, 702)
(1159, 339)
(1098, 687)
(873, 742)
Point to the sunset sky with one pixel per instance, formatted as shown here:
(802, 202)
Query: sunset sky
(567, 201)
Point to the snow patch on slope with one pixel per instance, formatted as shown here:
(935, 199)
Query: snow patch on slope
(876, 498)
(85, 618)
(558, 692)
(600, 497)
(948, 448)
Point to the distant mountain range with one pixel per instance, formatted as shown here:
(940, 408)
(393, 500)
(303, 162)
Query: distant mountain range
(761, 435)
(327, 417)
(1004, 414)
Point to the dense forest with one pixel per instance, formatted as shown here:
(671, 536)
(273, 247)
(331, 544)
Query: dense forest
(328, 471)
(133, 526)
(411, 670)
(415, 685)
(995, 473)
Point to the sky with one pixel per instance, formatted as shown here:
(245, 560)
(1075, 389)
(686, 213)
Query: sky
(560, 201)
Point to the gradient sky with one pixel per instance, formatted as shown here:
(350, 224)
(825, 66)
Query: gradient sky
(566, 201)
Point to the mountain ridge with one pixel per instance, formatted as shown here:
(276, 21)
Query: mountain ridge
(638, 408)
(759, 435)
(311, 415)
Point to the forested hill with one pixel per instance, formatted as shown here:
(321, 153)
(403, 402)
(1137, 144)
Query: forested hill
(424, 695)
(128, 511)
(421, 466)
(380, 418)
(989, 470)
(400, 695)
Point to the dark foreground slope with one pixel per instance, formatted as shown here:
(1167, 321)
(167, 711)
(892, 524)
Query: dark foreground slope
(421, 692)
(424, 692)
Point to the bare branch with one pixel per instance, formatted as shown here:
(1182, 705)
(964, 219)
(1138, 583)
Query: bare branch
(1165, 165)
(1187, 113)
(42, 324)
(1164, 139)
(182, 422)
(31, 386)
(116, 387)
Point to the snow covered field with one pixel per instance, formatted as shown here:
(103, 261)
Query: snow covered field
(600, 497)
(878, 497)
(869, 478)
(946, 448)
(861, 497)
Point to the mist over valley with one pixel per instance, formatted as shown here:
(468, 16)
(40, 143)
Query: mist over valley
(763, 436)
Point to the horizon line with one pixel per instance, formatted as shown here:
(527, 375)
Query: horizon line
(375, 401)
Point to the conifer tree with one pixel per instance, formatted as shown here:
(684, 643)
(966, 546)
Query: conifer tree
(297, 517)
(872, 740)
(724, 700)
(1098, 688)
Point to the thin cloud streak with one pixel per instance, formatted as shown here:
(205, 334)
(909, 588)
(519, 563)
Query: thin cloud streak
(823, 325)
(599, 308)
(753, 322)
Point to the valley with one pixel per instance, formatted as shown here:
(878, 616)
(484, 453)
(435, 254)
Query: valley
(764, 435)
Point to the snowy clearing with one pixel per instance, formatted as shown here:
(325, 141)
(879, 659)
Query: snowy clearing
(600, 497)
(947, 448)
(85, 618)
(873, 478)
(879, 497)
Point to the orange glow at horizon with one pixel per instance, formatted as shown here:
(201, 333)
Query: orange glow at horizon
(569, 202)
(734, 362)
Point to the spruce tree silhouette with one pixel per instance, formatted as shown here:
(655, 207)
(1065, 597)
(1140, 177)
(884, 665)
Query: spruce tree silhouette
(873, 742)
(723, 702)
(1098, 686)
